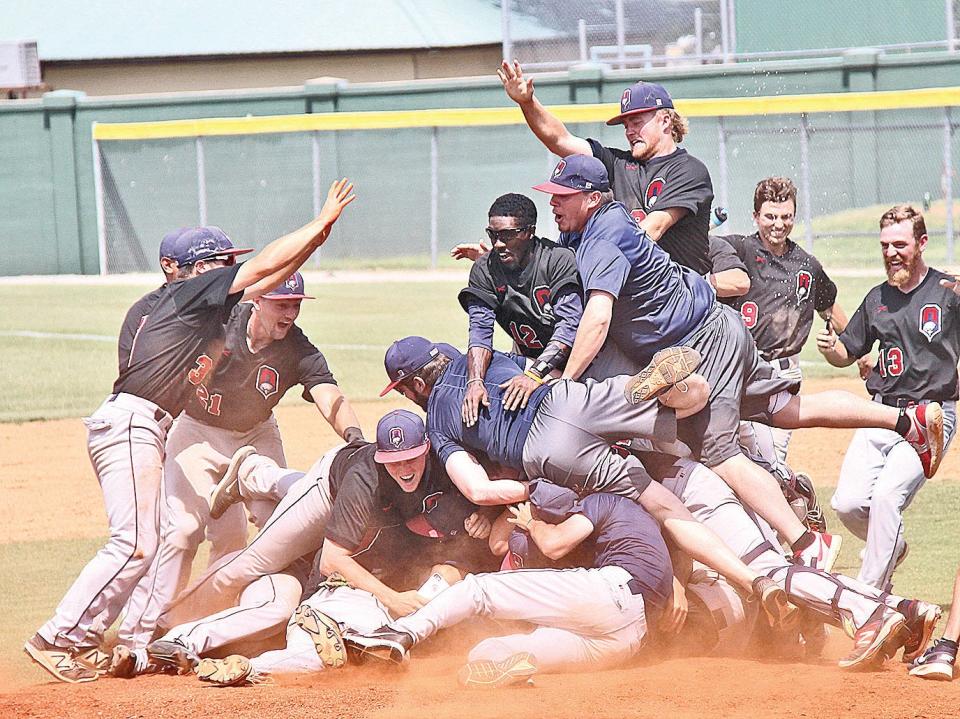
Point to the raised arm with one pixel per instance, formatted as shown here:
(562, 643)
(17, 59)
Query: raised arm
(548, 128)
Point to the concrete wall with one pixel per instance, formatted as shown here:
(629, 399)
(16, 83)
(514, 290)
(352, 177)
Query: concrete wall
(48, 223)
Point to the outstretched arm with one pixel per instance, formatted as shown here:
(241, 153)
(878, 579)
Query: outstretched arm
(472, 481)
(282, 257)
(548, 128)
(335, 558)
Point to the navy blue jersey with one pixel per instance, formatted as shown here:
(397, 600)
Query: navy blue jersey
(498, 433)
(658, 302)
(626, 536)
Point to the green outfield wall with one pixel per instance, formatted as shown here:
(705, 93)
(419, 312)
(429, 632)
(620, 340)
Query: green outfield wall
(48, 222)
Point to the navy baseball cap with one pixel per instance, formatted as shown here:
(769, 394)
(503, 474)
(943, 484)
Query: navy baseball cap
(291, 289)
(576, 173)
(187, 245)
(406, 356)
(401, 435)
(642, 97)
(550, 502)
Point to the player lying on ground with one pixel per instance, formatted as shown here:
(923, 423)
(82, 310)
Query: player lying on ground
(175, 342)
(265, 353)
(362, 503)
(563, 434)
(915, 318)
(638, 301)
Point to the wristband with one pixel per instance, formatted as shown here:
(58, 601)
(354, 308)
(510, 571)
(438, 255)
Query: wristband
(475, 379)
(532, 376)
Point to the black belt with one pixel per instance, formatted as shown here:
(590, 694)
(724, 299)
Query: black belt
(902, 402)
(158, 414)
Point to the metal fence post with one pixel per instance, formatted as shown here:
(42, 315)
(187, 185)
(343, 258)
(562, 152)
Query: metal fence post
(505, 30)
(722, 149)
(806, 199)
(201, 181)
(698, 33)
(98, 196)
(582, 36)
(951, 26)
(621, 35)
(948, 179)
(725, 30)
(434, 195)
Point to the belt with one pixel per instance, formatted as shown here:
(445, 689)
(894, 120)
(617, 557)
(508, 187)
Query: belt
(634, 586)
(159, 414)
(902, 402)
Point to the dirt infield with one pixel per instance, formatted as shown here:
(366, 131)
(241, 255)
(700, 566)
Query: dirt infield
(674, 688)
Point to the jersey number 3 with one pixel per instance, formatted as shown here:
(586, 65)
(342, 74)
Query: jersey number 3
(524, 336)
(196, 376)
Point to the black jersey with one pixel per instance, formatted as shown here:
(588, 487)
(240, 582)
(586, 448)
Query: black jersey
(784, 293)
(919, 337)
(135, 317)
(675, 180)
(245, 386)
(523, 301)
(177, 345)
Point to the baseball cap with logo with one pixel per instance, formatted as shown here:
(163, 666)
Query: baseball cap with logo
(292, 288)
(404, 357)
(401, 435)
(187, 245)
(576, 173)
(641, 97)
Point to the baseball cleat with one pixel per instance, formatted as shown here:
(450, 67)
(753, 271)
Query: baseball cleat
(926, 435)
(814, 519)
(59, 662)
(776, 605)
(325, 634)
(173, 655)
(822, 553)
(227, 491)
(936, 663)
(668, 367)
(488, 674)
(92, 658)
(922, 618)
(385, 644)
(233, 671)
(876, 640)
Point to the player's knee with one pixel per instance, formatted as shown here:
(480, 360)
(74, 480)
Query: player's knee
(887, 501)
(450, 574)
(850, 510)
(184, 532)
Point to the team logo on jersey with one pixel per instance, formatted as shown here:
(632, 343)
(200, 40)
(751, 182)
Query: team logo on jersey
(559, 168)
(625, 100)
(638, 216)
(542, 296)
(431, 501)
(268, 381)
(930, 321)
(396, 437)
(804, 280)
(654, 190)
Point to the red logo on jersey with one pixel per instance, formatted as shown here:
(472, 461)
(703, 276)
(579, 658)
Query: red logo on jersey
(760, 260)
(804, 279)
(431, 501)
(638, 216)
(654, 190)
(268, 381)
(542, 296)
(396, 437)
(930, 321)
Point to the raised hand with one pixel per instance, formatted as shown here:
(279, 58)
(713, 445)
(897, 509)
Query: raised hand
(518, 89)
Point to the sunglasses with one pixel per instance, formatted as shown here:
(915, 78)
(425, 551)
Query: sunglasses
(508, 234)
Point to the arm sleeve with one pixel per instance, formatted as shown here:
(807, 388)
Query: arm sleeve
(686, 185)
(857, 337)
(568, 308)
(480, 286)
(603, 267)
(826, 291)
(606, 155)
(442, 445)
(313, 369)
(352, 509)
(723, 257)
(482, 320)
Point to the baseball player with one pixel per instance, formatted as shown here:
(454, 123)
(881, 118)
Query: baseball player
(638, 301)
(350, 503)
(170, 354)
(787, 285)
(913, 316)
(666, 190)
(585, 618)
(938, 661)
(529, 287)
(265, 354)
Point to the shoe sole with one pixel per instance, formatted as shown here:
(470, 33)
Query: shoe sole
(379, 649)
(219, 502)
(780, 612)
(832, 553)
(488, 674)
(891, 629)
(936, 672)
(930, 619)
(232, 671)
(667, 368)
(325, 634)
(43, 658)
(934, 427)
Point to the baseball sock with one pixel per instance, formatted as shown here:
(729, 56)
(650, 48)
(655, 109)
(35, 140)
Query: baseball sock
(805, 540)
(903, 423)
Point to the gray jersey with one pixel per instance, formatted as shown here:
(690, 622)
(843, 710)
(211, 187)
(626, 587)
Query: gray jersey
(919, 337)
(784, 292)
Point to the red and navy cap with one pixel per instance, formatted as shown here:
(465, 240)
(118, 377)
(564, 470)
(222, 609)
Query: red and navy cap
(292, 288)
(576, 173)
(642, 97)
(187, 245)
(401, 435)
(404, 357)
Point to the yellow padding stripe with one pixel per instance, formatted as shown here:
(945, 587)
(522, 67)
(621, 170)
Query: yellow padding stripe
(486, 116)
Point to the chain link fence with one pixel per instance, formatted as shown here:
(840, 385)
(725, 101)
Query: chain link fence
(645, 34)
